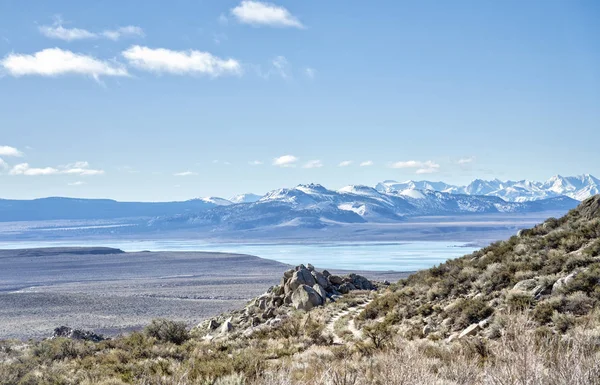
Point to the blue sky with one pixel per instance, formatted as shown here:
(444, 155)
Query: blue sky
(167, 101)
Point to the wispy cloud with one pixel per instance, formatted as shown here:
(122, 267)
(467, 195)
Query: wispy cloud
(468, 160)
(255, 163)
(345, 163)
(427, 167)
(55, 62)
(281, 66)
(186, 173)
(128, 169)
(128, 31)
(78, 183)
(223, 19)
(313, 164)
(261, 13)
(285, 161)
(367, 163)
(57, 31)
(162, 60)
(3, 164)
(77, 168)
(10, 151)
(310, 72)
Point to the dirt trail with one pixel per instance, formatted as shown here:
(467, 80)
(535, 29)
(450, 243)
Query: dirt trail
(350, 312)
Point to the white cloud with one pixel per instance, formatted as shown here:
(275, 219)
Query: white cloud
(10, 151)
(162, 60)
(367, 163)
(470, 159)
(261, 13)
(128, 31)
(57, 31)
(428, 170)
(310, 72)
(186, 173)
(55, 62)
(345, 163)
(313, 164)
(285, 161)
(78, 168)
(78, 183)
(24, 169)
(255, 163)
(427, 167)
(407, 164)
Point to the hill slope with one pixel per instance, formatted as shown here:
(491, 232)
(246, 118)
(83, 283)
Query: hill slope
(520, 311)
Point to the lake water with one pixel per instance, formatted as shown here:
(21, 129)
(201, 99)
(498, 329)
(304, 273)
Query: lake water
(379, 256)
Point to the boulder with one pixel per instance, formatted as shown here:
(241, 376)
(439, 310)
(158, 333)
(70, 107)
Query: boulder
(360, 282)
(426, 330)
(319, 289)
(564, 281)
(270, 313)
(288, 273)
(227, 326)
(320, 279)
(326, 273)
(287, 300)
(335, 279)
(469, 331)
(345, 288)
(310, 267)
(262, 303)
(301, 277)
(213, 324)
(525, 285)
(305, 298)
(452, 337)
(77, 334)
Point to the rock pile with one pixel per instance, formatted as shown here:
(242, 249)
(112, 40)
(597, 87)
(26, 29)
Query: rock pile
(302, 288)
(77, 334)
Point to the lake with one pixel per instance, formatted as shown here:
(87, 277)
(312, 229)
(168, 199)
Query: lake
(376, 256)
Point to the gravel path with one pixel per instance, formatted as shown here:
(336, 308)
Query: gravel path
(351, 312)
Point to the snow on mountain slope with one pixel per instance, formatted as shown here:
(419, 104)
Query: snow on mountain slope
(576, 187)
(217, 201)
(245, 198)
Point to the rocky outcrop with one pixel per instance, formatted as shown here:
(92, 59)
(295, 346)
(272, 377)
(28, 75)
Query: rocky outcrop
(77, 334)
(301, 288)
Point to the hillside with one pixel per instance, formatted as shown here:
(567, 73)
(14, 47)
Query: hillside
(520, 311)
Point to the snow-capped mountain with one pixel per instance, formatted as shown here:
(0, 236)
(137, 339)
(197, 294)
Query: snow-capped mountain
(245, 198)
(216, 201)
(314, 206)
(576, 187)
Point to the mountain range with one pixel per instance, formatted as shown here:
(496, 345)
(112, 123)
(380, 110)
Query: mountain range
(313, 206)
(576, 187)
